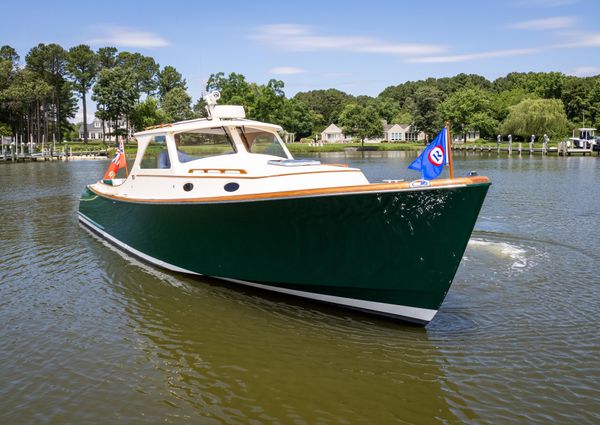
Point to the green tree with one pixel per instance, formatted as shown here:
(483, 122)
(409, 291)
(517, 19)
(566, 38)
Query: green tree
(82, 65)
(199, 109)
(594, 101)
(144, 70)
(24, 97)
(49, 62)
(327, 103)
(545, 84)
(403, 93)
(360, 121)
(9, 60)
(576, 96)
(386, 108)
(176, 105)
(7, 53)
(269, 102)
(298, 118)
(107, 57)
(402, 117)
(146, 114)
(115, 94)
(234, 89)
(168, 79)
(536, 116)
(469, 109)
(505, 99)
(423, 107)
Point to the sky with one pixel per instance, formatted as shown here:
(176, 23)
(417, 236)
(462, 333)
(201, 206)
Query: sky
(360, 47)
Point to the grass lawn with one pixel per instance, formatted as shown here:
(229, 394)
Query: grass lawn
(340, 147)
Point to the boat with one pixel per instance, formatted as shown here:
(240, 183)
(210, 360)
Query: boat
(223, 197)
(586, 140)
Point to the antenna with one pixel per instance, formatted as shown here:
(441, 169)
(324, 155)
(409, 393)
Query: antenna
(211, 100)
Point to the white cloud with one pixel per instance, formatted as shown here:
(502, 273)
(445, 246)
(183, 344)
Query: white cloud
(127, 37)
(474, 56)
(571, 40)
(580, 39)
(555, 23)
(586, 71)
(286, 70)
(302, 38)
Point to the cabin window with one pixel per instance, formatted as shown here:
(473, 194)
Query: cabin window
(203, 143)
(156, 154)
(263, 142)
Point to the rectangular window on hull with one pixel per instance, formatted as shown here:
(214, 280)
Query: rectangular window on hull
(203, 143)
(156, 154)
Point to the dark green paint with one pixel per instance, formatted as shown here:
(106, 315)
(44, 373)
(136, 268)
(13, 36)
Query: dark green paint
(393, 247)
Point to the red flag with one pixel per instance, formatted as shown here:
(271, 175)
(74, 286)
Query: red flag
(117, 163)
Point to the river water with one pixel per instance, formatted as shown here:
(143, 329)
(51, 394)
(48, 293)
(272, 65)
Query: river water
(90, 335)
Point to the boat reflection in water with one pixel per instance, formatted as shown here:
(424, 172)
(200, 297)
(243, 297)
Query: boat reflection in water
(236, 356)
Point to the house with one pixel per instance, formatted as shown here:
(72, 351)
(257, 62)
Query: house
(96, 132)
(401, 133)
(333, 134)
(471, 136)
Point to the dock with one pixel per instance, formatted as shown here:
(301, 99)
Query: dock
(50, 155)
(15, 149)
(561, 150)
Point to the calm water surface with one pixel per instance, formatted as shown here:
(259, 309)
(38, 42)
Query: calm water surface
(90, 335)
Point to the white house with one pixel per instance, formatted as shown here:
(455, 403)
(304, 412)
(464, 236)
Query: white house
(333, 134)
(471, 136)
(96, 132)
(401, 133)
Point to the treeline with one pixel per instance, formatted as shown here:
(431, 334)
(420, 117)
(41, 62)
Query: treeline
(520, 104)
(38, 99)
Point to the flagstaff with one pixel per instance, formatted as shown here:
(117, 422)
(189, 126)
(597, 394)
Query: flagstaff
(449, 144)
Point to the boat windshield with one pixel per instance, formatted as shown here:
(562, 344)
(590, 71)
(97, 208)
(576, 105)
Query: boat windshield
(203, 143)
(260, 141)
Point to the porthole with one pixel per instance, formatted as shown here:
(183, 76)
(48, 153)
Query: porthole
(231, 187)
(188, 186)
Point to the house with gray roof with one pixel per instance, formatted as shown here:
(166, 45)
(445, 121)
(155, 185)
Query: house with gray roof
(96, 131)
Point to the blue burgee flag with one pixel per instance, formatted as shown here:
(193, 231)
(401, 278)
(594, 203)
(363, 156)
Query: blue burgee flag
(431, 162)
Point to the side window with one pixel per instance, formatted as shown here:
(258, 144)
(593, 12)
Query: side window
(202, 144)
(156, 154)
(262, 142)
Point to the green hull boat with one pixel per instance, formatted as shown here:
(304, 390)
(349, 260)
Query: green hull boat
(231, 203)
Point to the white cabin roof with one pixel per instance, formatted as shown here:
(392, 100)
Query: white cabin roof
(202, 123)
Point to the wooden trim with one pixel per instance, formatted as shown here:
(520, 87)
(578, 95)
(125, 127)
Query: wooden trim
(218, 170)
(152, 127)
(239, 176)
(343, 190)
